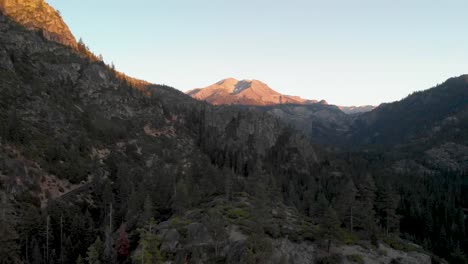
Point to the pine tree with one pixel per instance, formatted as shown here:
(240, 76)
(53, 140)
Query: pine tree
(364, 213)
(134, 208)
(386, 205)
(228, 183)
(67, 250)
(109, 253)
(88, 236)
(457, 256)
(330, 226)
(215, 224)
(148, 210)
(36, 256)
(123, 245)
(346, 204)
(461, 223)
(80, 260)
(13, 130)
(181, 199)
(320, 206)
(95, 252)
(53, 257)
(8, 237)
(148, 246)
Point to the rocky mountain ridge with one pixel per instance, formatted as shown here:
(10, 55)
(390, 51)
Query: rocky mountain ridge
(40, 16)
(256, 93)
(244, 92)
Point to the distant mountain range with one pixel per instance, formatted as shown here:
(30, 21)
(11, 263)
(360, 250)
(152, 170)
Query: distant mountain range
(421, 115)
(256, 93)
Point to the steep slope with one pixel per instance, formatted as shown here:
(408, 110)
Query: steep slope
(322, 124)
(425, 114)
(245, 92)
(40, 16)
(75, 139)
(433, 115)
(83, 149)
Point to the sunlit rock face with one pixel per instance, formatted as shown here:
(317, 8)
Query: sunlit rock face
(38, 15)
(244, 92)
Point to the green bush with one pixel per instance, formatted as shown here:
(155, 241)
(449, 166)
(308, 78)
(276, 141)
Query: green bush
(356, 258)
(237, 213)
(399, 244)
(333, 259)
(347, 238)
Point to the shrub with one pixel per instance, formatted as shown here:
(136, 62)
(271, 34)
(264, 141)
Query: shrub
(236, 213)
(347, 238)
(356, 258)
(333, 259)
(382, 252)
(399, 244)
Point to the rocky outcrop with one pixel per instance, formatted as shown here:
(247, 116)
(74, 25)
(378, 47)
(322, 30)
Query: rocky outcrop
(283, 250)
(38, 15)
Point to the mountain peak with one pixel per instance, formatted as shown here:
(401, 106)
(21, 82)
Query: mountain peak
(255, 92)
(227, 81)
(244, 92)
(40, 16)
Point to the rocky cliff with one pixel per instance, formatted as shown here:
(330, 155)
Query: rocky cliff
(39, 16)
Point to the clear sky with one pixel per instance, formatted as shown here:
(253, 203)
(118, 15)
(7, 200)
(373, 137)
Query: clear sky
(348, 52)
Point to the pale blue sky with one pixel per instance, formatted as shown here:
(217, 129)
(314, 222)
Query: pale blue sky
(348, 52)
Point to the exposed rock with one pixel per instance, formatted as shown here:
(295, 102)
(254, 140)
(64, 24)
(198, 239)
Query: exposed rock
(244, 92)
(293, 252)
(170, 240)
(197, 235)
(235, 235)
(384, 254)
(449, 156)
(38, 15)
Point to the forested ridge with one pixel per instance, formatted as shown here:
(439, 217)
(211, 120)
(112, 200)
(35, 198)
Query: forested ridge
(96, 170)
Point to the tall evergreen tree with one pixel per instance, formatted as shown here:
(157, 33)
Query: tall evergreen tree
(123, 245)
(181, 199)
(108, 254)
(148, 246)
(386, 205)
(80, 260)
(9, 249)
(330, 226)
(95, 252)
(215, 224)
(148, 210)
